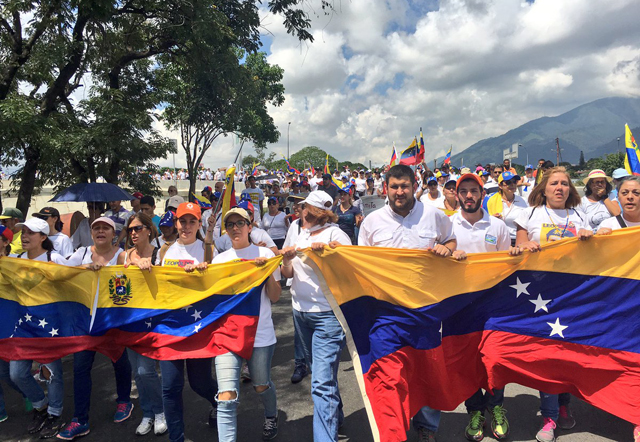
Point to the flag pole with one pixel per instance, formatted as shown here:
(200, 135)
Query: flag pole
(225, 181)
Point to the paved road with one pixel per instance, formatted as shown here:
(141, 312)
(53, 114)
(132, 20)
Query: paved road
(295, 404)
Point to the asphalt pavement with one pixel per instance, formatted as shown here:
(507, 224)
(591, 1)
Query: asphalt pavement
(296, 407)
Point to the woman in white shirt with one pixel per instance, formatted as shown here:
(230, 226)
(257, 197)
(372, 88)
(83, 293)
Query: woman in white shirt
(61, 242)
(237, 222)
(551, 217)
(596, 204)
(506, 204)
(321, 333)
(629, 198)
(275, 222)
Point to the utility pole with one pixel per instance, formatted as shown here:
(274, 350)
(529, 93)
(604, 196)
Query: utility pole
(618, 143)
(558, 154)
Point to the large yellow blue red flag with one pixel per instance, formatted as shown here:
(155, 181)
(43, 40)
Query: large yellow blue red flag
(394, 156)
(229, 193)
(632, 157)
(432, 331)
(410, 156)
(326, 165)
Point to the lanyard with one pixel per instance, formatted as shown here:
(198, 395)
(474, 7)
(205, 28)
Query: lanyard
(554, 224)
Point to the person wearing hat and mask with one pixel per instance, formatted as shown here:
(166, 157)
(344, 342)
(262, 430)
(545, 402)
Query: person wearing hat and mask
(188, 253)
(595, 203)
(238, 226)
(407, 223)
(47, 412)
(61, 242)
(321, 334)
(10, 218)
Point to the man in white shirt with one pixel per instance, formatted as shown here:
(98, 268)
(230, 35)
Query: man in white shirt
(254, 193)
(316, 180)
(361, 183)
(406, 223)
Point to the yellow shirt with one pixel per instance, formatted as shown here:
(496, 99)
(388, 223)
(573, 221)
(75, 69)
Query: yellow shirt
(16, 244)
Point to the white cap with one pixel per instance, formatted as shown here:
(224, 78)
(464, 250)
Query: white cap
(320, 199)
(175, 201)
(104, 219)
(35, 225)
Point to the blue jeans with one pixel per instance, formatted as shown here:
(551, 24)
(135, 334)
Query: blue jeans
(550, 404)
(20, 373)
(481, 401)
(323, 340)
(82, 384)
(260, 369)
(5, 375)
(228, 374)
(147, 382)
(200, 380)
(427, 418)
(298, 349)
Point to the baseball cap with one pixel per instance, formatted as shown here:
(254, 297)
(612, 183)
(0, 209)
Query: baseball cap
(620, 173)
(470, 176)
(319, 199)
(506, 176)
(7, 233)
(207, 189)
(12, 212)
(296, 199)
(483, 173)
(46, 212)
(35, 225)
(326, 176)
(216, 195)
(237, 211)
(188, 209)
(272, 199)
(441, 174)
(596, 173)
(105, 220)
(465, 170)
(175, 201)
(137, 195)
(528, 166)
(167, 219)
(246, 205)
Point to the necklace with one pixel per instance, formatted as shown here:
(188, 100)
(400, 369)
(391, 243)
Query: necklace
(566, 224)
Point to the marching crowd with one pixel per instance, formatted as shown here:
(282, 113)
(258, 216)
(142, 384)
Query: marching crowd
(449, 212)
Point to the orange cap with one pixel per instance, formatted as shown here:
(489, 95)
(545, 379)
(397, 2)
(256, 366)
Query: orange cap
(188, 209)
(470, 176)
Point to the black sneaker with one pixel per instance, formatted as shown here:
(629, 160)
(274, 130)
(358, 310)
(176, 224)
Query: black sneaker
(213, 417)
(39, 418)
(52, 427)
(270, 428)
(299, 373)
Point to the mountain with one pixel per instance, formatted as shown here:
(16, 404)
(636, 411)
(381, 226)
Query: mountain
(592, 128)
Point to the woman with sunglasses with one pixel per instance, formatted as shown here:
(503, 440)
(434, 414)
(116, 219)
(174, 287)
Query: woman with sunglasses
(449, 204)
(506, 204)
(321, 333)
(552, 217)
(141, 252)
(188, 253)
(275, 222)
(430, 192)
(102, 253)
(237, 222)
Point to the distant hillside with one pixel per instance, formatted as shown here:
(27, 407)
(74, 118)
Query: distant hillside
(592, 128)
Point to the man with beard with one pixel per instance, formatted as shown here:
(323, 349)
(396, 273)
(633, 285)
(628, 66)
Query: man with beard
(406, 223)
(478, 232)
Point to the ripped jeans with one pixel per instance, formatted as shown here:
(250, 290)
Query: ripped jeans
(20, 373)
(228, 374)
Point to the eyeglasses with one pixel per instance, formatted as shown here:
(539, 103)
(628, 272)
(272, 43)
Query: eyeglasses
(239, 224)
(272, 203)
(135, 229)
(497, 172)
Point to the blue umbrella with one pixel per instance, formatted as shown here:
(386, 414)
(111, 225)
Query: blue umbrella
(99, 192)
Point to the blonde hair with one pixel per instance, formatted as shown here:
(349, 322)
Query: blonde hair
(322, 216)
(537, 197)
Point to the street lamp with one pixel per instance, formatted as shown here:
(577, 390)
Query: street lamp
(527, 152)
(618, 143)
(288, 127)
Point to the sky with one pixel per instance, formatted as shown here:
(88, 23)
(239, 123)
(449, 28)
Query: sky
(463, 70)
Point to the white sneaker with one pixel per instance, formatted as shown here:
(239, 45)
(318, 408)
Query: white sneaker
(160, 424)
(145, 426)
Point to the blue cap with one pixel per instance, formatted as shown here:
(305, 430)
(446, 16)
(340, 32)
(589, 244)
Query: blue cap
(244, 204)
(207, 189)
(620, 173)
(432, 179)
(217, 195)
(272, 198)
(484, 173)
(167, 219)
(506, 176)
(528, 166)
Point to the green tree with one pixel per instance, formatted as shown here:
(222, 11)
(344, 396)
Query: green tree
(311, 155)
(607, 163)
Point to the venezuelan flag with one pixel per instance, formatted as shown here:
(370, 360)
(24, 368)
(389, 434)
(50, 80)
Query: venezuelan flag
(326, 165)
(394, 157)
(431, 331)
(229, 193)
(202, 201)
(447, 157)
(254, 169)
(632, 157)
(409, 156)
(45, 310)
(169, 314)
(420, 158)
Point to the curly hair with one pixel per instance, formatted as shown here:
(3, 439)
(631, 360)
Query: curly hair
(322, 216)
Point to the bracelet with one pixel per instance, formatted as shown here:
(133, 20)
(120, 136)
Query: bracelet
(450, 251)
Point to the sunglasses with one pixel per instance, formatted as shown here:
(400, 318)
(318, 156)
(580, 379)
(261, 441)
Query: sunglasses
(239, 224)
(272, 203)
(135, 229)
(509, 182)
(497, 173)
(450, 187)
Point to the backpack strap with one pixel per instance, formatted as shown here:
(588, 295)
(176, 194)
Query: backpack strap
(154, 255)
(621, 221)
(163, 251)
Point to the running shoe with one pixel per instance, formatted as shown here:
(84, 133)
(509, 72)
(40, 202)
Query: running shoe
(475, 428)
(565, 418)
(73, 430)
(546, 434)
(123, 412)
(52, 427)
(160, 424)
(499, 422)
(425, 435)
(145, 427)
(39, 418)
(270, 428)
(299, 373)
(245, 376)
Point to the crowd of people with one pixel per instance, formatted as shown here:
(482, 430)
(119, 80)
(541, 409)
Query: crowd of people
(446, 211)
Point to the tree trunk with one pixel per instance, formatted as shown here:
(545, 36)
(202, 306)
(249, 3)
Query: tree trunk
(192, 181)
(28, 179)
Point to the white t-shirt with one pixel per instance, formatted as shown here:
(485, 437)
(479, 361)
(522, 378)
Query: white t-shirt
(422, 228)
(425, 199)
(613, 224)
(361, 184)
(526, 190)
(595, 212)
(544, 225)
(511, 213)
(306, 294)
(313, 182)
(179, 255)
(256, 195)
(489, 234)
(258, 235)
(84, 255)
(62, 244)
(82, 236)
(55, 257)
(265, 335)
(275, 226)
(378, 184)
